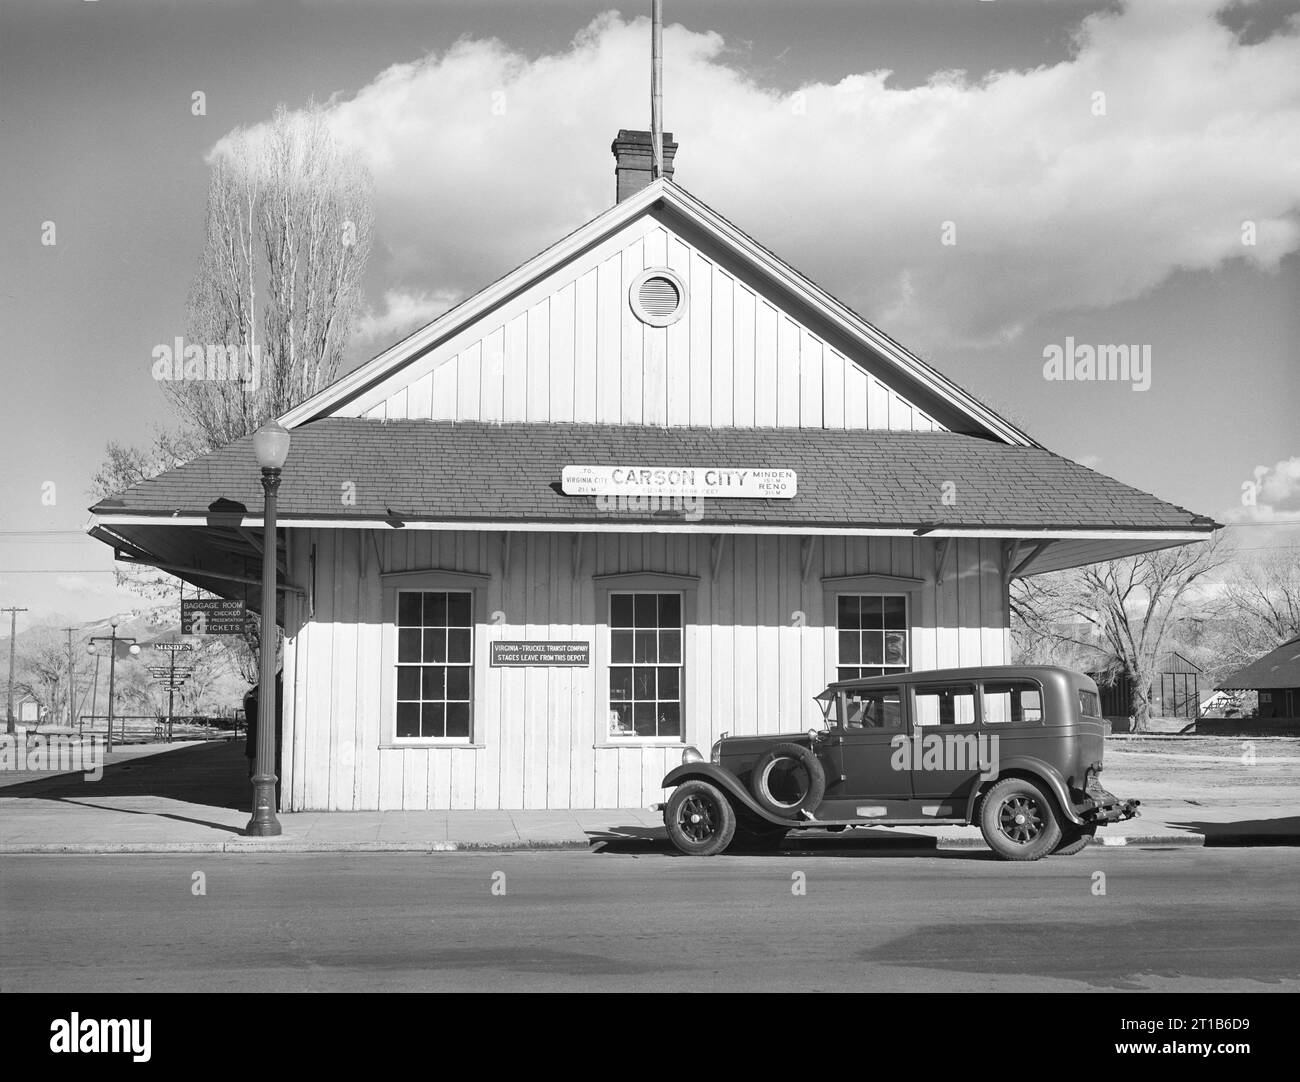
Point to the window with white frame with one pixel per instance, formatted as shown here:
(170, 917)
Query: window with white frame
(645, 671)
(872, 635)
(435, 651)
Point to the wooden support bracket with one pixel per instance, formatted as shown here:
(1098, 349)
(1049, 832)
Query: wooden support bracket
(577, 554)
(1010, 554)
(806, 548)
(940, 558)
(1034, 553)
(715, 553)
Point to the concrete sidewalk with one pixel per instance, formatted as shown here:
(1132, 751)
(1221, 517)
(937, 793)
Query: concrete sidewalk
(194, 798)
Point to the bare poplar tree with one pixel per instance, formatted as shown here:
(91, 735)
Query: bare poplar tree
(287, 236)
(1127, 609)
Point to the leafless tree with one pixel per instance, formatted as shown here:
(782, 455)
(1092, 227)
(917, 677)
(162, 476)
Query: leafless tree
(1262, 598)
(1128, 610)
(287, 236)
(42, 669)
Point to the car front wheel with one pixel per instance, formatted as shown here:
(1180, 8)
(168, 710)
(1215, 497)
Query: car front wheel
(1019, 821)
(700, 819)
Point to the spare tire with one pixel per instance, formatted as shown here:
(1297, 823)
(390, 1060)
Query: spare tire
(788, 780)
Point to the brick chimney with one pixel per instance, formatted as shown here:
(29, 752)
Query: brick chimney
(633, 158)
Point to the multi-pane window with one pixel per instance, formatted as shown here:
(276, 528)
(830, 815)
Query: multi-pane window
(435, 649)
(1016, 702)
(645, 672)
(872, 632)
(954, 705)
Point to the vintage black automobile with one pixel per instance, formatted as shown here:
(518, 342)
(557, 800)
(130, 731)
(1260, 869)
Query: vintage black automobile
(1016, 749)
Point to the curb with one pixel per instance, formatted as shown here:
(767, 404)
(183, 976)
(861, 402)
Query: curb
(289, 845)
(293, 845)
(1191, 841)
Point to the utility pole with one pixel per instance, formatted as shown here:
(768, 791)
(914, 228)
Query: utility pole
(72, 691)
(13, 637)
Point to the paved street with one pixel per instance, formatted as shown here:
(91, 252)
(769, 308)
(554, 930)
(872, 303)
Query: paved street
(642, 919)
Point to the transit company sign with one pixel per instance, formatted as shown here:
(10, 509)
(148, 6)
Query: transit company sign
(711, 482)
(540, 653)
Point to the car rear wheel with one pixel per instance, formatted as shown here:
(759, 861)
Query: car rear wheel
(1018, 820)
(1074, 839)
(700, 819)
(788, 780)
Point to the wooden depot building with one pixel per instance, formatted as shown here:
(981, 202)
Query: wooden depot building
(651, 486)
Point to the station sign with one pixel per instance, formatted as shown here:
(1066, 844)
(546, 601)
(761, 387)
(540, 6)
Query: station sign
(690, 482)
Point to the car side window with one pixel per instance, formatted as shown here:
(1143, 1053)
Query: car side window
(950, 704)
(1013, 702)
(877, 708)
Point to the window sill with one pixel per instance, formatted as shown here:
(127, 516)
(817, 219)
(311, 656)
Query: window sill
(431, 744)
(641, 744)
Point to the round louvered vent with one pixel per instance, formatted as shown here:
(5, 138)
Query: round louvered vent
(658, 297)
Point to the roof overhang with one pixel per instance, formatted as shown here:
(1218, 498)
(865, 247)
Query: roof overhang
(196, 545)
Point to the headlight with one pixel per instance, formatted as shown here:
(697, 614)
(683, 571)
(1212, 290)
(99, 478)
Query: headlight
(715, 753)
(691, 754)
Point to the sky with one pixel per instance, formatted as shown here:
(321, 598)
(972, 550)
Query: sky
(984, 180)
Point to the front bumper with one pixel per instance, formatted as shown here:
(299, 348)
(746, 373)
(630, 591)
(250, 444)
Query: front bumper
(1100, 806)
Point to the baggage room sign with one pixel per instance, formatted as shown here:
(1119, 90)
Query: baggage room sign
(209, 617)
(710, 482)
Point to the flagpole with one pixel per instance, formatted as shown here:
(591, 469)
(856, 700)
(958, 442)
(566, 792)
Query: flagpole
(657, 87)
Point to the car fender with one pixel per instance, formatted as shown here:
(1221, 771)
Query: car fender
(1037, 769)
(724, 780)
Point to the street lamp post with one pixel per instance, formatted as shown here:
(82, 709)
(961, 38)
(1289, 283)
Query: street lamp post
(112, 640)
(271, 446)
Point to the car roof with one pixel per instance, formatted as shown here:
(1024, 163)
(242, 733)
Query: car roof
(970, 672)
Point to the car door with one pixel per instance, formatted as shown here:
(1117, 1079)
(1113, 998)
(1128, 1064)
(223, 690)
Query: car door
(870, 725)
(945, 745)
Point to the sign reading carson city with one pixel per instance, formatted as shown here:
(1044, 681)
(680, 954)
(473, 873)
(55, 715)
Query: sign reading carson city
(714, 482)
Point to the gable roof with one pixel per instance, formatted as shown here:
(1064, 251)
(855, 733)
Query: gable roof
(452, 472)
(1279, 668)
(663, 195)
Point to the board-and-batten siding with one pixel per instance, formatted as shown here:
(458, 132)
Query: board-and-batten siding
(580, 354)
(761, 654)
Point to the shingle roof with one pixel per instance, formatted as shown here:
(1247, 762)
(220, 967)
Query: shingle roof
(1278, 669)
(478, 471)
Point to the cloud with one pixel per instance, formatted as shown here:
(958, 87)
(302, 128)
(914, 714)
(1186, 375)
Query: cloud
(1274, 495)
(1059, 199)
(403, 312)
